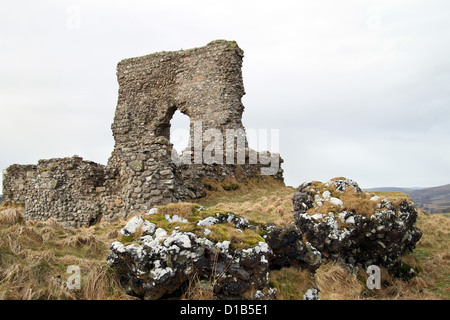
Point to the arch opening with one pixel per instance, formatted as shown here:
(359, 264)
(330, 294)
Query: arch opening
(180, 131)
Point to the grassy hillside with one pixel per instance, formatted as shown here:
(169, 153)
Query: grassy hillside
(432, 200)
(34, 255)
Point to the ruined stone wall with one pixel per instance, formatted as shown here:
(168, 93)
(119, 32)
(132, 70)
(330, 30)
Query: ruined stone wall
(16, 183)
(67, 189)
(203, 83)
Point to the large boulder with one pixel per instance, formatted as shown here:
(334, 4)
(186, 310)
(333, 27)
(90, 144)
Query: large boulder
(342, 222)
(160, 262)
(291, 249)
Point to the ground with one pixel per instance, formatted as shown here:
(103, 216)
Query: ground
(35, 255)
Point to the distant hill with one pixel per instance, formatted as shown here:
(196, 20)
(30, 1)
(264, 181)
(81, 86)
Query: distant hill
(394, 189)
(432, 200)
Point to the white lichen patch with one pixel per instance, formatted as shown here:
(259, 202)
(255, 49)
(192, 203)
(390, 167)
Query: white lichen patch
(336, 201)
(223, 246)
(175, 218)
(148, 227)
(132, 226)
(350, 219)
(118, 247)
(136, 252)
(209, 221)
(264, 260)
(158, 273)
(262, 247)
(311, 294)
(160, 233)
(152, 211)
(182, 239)
(137, 223)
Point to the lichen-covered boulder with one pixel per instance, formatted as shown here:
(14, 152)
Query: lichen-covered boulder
(291, 249)
(342, 222)
(162, 260)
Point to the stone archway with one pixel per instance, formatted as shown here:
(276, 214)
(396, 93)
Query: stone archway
(180, 131)
(203, 83)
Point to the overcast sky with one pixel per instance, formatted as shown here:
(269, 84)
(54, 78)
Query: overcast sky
(356, 88)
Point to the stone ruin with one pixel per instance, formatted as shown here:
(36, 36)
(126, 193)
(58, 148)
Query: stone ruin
(143, 171)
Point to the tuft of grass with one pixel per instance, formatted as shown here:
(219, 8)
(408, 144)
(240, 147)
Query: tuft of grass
(393, 196)
(336, 283)
(101, 284)
(263, 200)
(202, 289)
(338, 178)
(358, 204)
(433, 255)
(198, 289)
(10, 216)
(182, 209)
(317, 185)
(240, 239)
(35, 255)
(291, 283)
(187, 211)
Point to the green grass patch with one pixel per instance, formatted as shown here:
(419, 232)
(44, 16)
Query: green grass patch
(291, 283)
(193, 213)
(240, 239)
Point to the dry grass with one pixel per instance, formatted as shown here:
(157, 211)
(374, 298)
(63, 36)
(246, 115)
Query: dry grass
(201, 289)
(102, 285)
(431, 259)
(336, 283)
(198, 289)
(393, 196)
(34, 256)
(264, 200)
(359, 204)
(183, 209)
(291, 283)
(239, 239)
(10, 216)
(82, 239)
(433, 253)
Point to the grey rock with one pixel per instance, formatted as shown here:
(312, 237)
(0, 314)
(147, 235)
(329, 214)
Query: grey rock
(379, 239)
(164, 262)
